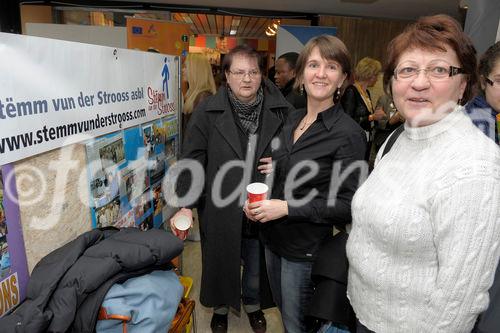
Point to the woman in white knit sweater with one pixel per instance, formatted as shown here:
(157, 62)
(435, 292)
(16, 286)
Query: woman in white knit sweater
(426, 224)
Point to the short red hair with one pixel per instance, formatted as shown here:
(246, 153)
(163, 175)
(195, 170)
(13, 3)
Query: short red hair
(434, 33)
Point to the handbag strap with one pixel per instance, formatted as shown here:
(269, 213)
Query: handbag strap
(394, 136)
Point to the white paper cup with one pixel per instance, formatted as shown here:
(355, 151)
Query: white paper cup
(257, 192)
(182, 223)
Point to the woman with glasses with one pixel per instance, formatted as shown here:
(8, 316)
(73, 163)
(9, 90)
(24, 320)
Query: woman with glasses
(424, 241)
(317, 145)
(228, 134)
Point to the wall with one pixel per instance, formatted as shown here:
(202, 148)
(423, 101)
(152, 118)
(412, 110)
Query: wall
(51, 210)
(364, 37)
(97, 35)
(35, 14)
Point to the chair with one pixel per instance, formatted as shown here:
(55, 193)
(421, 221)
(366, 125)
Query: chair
(184, 319)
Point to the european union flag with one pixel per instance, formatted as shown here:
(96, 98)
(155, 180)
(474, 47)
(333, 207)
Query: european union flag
(137, 30)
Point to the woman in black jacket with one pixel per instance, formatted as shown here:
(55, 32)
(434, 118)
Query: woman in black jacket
(307, 200)
(227, 135)
(356, 99)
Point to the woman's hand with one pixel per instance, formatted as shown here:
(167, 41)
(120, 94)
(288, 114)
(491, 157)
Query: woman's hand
(267, 165)
(266, 210)
(185, 212)
(379, 114)
(397, 118)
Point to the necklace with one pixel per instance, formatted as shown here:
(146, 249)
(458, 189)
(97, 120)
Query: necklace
(305, 124)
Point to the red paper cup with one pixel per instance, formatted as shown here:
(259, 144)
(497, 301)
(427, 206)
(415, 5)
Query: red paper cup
(257, 192)
(182, 223)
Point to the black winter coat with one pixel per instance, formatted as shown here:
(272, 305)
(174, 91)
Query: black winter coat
(62, 281)
(213, 139)
(354, 106)
(297, 100)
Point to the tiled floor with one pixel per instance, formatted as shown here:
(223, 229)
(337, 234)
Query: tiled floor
(191, 266)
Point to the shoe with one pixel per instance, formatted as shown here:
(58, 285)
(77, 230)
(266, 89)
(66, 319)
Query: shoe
(257, 321)
(218, 324)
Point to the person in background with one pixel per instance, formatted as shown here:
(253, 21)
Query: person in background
(484, 111)
(321, 136)
(270, 74)
(356, 99)
(285, 79)
(197, 72)
(235, 125)
(423, 247)
(385, 125)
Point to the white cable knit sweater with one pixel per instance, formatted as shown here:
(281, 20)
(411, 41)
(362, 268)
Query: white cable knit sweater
(426, 228)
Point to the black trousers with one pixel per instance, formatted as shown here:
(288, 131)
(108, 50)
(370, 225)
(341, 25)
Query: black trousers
(360, 328)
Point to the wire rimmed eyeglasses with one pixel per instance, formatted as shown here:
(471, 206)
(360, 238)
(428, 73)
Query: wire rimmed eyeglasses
(241, 74)
(433, 73)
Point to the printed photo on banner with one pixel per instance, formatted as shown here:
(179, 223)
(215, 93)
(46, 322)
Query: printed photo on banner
(4, 246)
(112, 154)
(158, 200)
(105, 157)
(157, 166)
(147, 223)
(142, 207)
(170, 148)
(109, 214)
(13, 264)
(134, 182)
(127, 220)
(171, 127)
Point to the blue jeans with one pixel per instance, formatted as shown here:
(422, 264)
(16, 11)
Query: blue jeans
(332, 328)
(250, 280)
(294, 302)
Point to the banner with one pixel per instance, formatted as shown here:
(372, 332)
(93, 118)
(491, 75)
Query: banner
(13, 264)
(55, 93)
(292, 38)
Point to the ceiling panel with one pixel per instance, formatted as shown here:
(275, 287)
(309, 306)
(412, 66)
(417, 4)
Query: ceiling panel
(221, 25)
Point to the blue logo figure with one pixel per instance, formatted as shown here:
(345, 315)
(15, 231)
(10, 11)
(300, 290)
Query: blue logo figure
(166, 76)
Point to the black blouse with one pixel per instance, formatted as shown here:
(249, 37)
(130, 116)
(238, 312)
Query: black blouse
(333, 143)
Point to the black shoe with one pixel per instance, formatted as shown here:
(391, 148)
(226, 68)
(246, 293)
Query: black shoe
(257, 321)
(219, 323)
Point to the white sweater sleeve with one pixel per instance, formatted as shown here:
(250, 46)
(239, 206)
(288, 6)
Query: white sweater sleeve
(466, 222)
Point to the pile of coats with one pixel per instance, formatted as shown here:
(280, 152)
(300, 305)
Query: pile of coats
(67, 287)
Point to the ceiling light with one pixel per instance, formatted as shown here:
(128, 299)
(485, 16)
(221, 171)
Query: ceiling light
(272, 28)
(232, 32)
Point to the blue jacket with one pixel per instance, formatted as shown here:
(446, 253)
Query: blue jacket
(483, 116)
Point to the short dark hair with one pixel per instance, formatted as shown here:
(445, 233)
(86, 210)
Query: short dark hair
(330, 48)
(243, 50)
(489, 60)
(435, 33)
(290, 58)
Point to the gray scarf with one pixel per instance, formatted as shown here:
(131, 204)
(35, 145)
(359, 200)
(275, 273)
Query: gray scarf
(248, 113)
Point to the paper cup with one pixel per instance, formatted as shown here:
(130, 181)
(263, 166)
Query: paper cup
(182, 223)
(257, 192)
